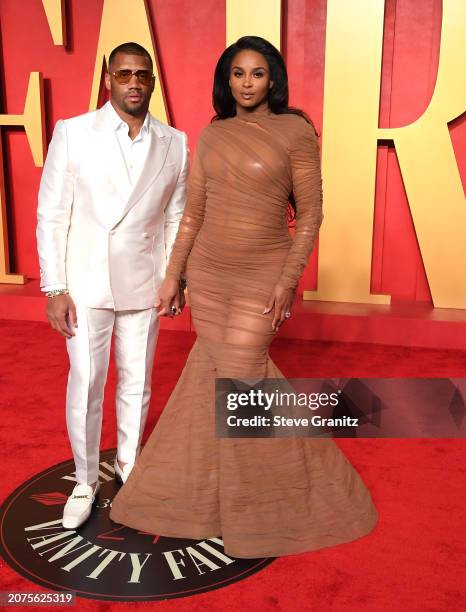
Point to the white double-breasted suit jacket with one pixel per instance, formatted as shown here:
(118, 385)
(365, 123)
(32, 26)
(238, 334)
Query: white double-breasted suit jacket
(107, 243)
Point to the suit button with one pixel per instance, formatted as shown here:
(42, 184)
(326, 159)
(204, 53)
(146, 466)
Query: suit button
(112, 233)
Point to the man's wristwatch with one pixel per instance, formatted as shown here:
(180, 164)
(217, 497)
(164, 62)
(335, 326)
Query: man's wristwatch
(183, 283)
(55, 292)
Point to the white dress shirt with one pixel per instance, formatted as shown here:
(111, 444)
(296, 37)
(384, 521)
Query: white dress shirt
(134, 153)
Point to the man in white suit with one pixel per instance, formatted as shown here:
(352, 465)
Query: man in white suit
(111, 197)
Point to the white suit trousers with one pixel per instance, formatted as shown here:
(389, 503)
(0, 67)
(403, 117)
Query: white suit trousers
(135, 335)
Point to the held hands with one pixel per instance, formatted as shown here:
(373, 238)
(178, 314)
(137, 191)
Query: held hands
(281, 301)
(171, 300)
(61, 313)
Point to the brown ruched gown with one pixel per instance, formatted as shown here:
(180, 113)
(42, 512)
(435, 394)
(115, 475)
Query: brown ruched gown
(266, 497)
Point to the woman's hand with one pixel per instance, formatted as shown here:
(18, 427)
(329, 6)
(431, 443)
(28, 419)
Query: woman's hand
(281, 300)
(169, 295)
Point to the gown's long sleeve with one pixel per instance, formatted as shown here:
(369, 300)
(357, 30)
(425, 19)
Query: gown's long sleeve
(307, 189)
(193, 216)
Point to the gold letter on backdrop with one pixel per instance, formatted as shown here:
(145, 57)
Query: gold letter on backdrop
(424, 149)
(33, 121)
(430, 171)
(254, 17)
(124, 21)
(55, 12)
(353, 55)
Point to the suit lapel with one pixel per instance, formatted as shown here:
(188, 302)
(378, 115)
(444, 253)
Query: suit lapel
(111, 154)
(158, 148)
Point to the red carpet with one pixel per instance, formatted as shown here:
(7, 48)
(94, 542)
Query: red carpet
(414, 560)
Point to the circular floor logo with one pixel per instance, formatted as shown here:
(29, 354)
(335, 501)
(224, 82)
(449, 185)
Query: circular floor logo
(103, 560)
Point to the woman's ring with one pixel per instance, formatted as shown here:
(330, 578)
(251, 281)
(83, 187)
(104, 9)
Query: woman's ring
(287, 315)
(173, 309)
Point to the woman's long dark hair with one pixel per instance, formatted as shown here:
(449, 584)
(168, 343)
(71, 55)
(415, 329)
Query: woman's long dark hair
(222, 98)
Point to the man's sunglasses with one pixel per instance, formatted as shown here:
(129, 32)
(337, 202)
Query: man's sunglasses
(124, 76)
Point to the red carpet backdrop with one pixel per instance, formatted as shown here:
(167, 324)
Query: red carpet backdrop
(384, 293)
(403, 252)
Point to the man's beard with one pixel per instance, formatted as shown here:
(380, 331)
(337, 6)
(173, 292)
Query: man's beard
(135, 110)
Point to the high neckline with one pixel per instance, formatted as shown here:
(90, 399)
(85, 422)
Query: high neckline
(254, 115)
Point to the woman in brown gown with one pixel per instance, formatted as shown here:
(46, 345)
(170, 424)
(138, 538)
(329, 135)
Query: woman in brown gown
(265, 496)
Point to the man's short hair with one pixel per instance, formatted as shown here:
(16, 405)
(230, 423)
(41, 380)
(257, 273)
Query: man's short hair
(130, 48)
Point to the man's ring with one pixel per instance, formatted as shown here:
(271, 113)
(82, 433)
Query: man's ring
(287, 315)
(173, 309)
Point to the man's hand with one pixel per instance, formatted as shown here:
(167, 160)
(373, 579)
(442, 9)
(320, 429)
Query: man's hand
(169, 294)
(61, 313)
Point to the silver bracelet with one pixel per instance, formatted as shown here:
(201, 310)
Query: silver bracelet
(55, 292)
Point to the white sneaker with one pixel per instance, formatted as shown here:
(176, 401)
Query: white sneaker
(79, 505)
(122, 474)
